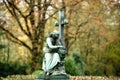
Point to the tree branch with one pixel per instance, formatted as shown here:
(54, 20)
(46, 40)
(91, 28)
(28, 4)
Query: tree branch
(28, 29)
(27, 1)
(8, 7)
(52, 15)
(12, 4)
(80, 25)
(19, 23)
(26, 22)
(74, 38)
(14, 14)
(18, 41)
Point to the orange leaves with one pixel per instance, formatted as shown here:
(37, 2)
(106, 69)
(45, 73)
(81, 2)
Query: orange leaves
(84, 4)
(41, 11)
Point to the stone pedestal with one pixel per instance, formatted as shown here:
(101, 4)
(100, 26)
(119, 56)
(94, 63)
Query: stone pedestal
(53, 77)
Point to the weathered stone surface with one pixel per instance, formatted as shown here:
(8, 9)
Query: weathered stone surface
(53, 77)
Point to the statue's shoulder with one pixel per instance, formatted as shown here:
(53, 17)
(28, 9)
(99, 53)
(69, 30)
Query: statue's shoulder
(49, 38)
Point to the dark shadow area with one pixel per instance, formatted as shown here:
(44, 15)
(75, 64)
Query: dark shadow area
(12, 68)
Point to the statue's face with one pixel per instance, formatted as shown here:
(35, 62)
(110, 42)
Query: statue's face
(55, 36)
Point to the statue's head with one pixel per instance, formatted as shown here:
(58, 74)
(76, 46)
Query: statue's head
(55, 34)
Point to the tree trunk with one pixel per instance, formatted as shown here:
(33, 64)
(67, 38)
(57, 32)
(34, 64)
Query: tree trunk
(37, 49)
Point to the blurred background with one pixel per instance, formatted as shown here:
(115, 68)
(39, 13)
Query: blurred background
(92, 36)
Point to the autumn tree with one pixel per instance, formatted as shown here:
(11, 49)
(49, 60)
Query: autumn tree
(112, 49)
(92, 26)
(29, 17)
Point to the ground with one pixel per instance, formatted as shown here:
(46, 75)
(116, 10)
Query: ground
(32, 77)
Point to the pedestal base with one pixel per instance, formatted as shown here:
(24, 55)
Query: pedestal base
(53, 77)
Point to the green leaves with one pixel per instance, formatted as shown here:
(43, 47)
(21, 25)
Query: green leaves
(74, 65)
(2, 46)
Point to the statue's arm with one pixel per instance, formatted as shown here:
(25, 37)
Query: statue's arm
(50, 44)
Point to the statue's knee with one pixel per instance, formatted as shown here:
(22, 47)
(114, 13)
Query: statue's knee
(48, 55)
(56, 54)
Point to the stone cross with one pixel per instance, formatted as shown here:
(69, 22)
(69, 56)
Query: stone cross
(61, 22)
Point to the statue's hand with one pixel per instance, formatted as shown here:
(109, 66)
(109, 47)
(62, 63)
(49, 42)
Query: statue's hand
(60, 46)
(62, 52)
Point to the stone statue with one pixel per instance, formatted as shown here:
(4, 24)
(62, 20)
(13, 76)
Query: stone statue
(54, 53)
(53, 62)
